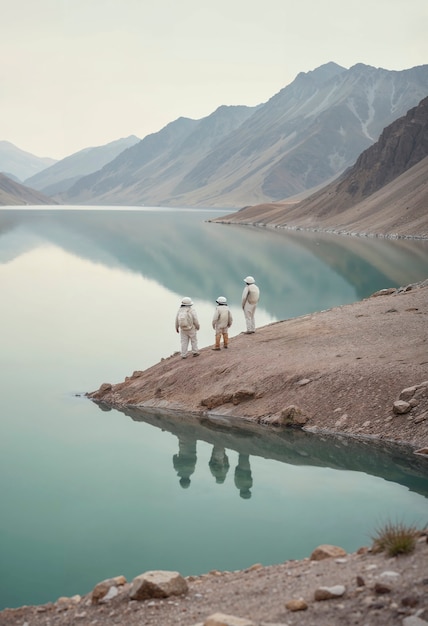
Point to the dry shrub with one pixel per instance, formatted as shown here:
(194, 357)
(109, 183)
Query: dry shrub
(395, 538)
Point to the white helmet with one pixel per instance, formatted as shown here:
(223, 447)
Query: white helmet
(187, 301)
(221, 300)
(249, 280)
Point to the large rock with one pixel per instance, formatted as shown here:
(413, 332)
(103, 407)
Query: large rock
(296, 604)
(293, 416)
(400, 407)
(329, 593)
(157, 584)
(107, 588)
(326, 551)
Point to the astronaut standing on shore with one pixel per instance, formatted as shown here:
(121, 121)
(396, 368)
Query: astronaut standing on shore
(250, 298)
(221, 322)
(187, 323)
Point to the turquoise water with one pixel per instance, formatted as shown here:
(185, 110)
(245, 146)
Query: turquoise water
(89, 296)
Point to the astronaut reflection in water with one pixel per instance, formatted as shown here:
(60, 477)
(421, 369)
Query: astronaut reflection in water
(185, 463)
(219, 464)
(243, 478)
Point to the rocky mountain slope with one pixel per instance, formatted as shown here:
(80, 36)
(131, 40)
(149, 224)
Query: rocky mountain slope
(63, 174)
(303, 137)
(17, 163)
(384, 192)
(153, 168)
(14, 194)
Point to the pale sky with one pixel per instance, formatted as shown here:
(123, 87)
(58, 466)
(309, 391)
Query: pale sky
(82, 73)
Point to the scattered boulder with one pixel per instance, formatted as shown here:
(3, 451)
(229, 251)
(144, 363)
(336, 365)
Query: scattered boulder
(296, 604)
(293, 416)
(236, 397)
(383, 292)
(99, 393)
(329, 593)
(400, 407)
(157, 584)
(64, 603)
(326, 551)
(407, 393)
(243, 395)
(342, 421)
(211, 402)
(413, 400)
(381, 588)
(102, 592)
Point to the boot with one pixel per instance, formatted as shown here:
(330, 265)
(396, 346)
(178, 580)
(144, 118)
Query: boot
(217, 343)
(225, 340)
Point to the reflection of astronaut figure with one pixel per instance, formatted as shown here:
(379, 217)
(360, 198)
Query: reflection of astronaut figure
(219, 464)
(243, 479)
(185, 461)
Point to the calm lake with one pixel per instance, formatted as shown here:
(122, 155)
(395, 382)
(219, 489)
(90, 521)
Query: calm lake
(88, 295)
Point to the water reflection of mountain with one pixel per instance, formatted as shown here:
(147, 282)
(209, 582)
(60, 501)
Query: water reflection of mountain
(299, 272)
(389, 461)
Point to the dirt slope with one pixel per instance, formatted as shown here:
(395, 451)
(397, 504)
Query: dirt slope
(342, 368)
(397, 209)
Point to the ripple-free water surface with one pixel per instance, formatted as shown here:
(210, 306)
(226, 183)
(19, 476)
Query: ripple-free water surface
(89, 296)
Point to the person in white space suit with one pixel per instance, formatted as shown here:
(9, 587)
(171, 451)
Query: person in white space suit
(221, 322)
(186, 323)
(250, 299)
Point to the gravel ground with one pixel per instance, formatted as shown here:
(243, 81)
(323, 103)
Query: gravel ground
(379, 591)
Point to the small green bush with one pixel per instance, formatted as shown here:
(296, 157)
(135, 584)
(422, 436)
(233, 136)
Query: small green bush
(395, 539)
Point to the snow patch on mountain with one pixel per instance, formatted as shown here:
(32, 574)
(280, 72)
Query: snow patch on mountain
(363, 122)
(371, 94)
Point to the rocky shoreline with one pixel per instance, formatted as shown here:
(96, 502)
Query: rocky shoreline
(329, 588)
(356, 370)
(315, 229)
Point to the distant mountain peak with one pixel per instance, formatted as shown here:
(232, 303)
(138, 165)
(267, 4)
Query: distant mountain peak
(362, 66)
(20, 163)
(323, 72)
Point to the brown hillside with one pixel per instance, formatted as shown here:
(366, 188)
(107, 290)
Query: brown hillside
(398, 209)
(14, 194)
(384, 193)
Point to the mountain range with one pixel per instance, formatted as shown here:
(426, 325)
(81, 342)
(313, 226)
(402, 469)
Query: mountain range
(149, 172)
(384, 192)
(301, 139)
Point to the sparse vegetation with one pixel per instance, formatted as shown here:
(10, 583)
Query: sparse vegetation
(395, 538)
